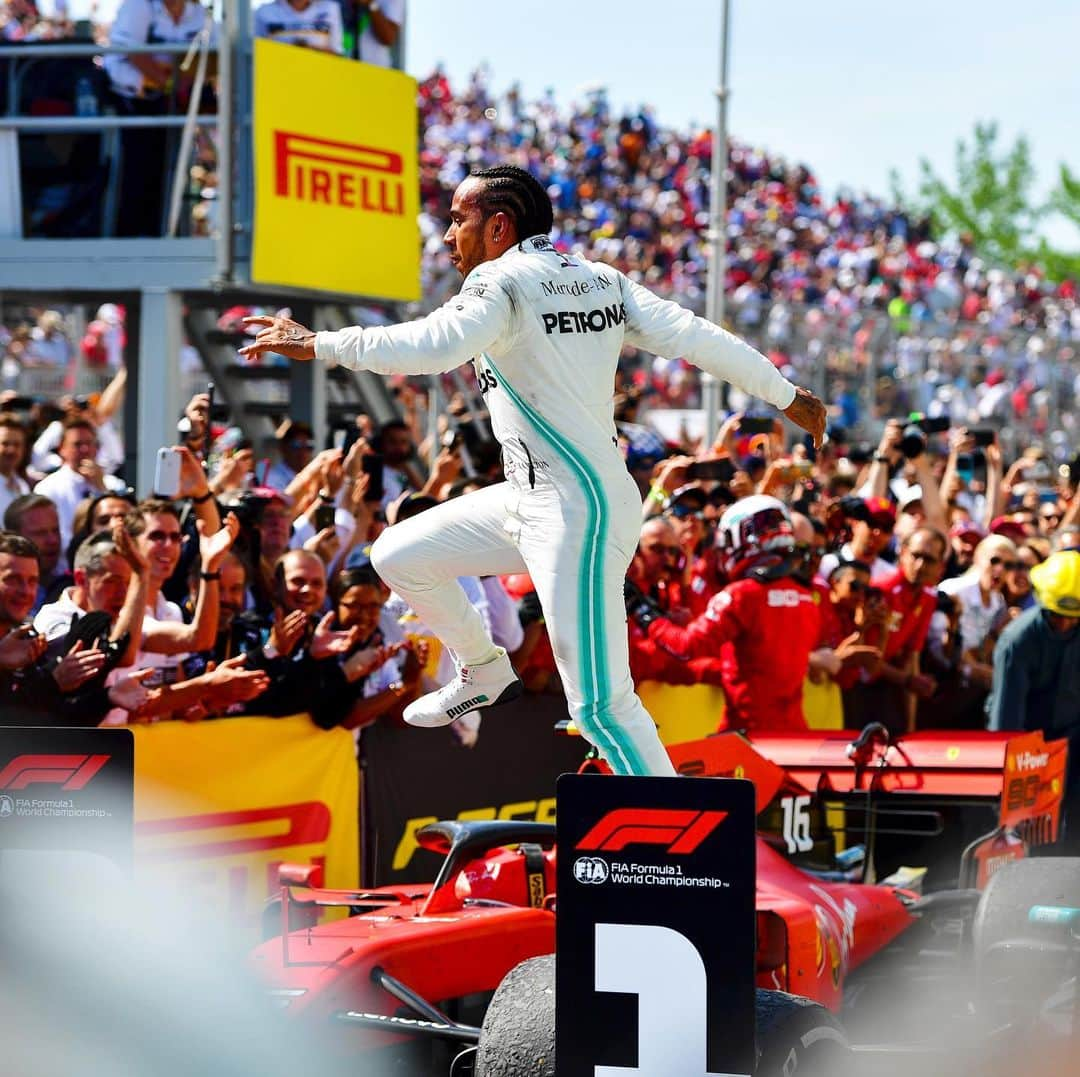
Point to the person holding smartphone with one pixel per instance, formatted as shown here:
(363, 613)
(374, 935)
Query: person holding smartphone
(544, 331)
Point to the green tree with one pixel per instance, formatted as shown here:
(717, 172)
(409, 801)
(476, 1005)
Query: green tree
(1065, 200)
(991, 199)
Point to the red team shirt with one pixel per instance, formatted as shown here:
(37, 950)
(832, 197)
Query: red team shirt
(910, 611)
(764, 633)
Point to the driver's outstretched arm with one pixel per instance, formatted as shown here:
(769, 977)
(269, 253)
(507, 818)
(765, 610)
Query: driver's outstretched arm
(665, 328)
(460, 329)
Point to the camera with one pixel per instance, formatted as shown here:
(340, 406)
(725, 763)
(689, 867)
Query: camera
(971, 465)
(756, 424)
(982, 436)
(913, 440)
(721, 470)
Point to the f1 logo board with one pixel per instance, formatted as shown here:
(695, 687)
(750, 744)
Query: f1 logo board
(68, 790)
(655, 930)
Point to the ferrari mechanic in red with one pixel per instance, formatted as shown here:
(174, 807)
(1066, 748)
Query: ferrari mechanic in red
(764, 623)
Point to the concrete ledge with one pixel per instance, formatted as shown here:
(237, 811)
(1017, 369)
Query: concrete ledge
(95, 265)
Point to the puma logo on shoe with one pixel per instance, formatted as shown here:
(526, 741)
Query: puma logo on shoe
(462, 708)
(474, 688)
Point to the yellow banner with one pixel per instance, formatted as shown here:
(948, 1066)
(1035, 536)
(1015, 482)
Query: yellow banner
(685, 712)
(218, 805)
(336, 182)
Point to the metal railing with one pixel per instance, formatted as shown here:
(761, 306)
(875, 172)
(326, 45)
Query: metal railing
(20, 59)
(828, 350)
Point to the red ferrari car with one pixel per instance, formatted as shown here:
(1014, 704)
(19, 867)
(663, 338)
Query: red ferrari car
(410, 972)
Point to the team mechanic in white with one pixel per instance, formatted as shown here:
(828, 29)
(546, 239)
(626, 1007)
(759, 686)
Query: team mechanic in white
(543, 331)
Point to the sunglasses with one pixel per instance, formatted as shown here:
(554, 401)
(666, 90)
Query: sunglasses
(670, 551)
(682, 512)
(858, 586)
(1010, 566)
(164, 536)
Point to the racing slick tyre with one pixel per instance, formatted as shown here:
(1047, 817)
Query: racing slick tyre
(1008, 978)
(518, 1035)
(794, 1035)
(797, 1036)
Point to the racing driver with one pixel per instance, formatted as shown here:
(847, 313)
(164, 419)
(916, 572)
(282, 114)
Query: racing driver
(543, 330)
(763, 624)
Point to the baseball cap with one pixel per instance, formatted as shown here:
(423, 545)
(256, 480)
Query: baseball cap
(909, 497)
(1057, 583)
(880, 511)
(1009, 527)
(690, 498)
(966, 527)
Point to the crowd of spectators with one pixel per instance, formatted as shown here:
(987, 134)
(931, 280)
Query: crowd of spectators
(241, 589)
(850, 294)
(246, 585)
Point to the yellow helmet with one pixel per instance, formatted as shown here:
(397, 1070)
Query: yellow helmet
(1057, 583)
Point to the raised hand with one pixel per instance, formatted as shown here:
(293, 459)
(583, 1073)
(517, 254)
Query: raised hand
(324, 545)
(326, 643)
(231, 683)
(213, 548)
(192, 477)
(130, 692)
(809, 413)
(365, 662)
(280, 335)
(77, 667)
(288, 631)
(128, 549)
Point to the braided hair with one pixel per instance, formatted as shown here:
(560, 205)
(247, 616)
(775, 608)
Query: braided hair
(515, 192)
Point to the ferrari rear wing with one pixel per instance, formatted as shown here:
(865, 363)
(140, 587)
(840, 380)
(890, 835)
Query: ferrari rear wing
(1021, 771)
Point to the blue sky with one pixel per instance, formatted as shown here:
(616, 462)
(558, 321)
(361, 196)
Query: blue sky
(851, 88)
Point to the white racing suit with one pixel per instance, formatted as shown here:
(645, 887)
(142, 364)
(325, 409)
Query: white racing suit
(544, 333)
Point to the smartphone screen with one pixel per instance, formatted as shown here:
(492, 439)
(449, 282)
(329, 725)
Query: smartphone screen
(373, 466)
(324, 517)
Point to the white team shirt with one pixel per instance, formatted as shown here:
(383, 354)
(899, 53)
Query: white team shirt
(318, 26)
(545, 331)
(147, 22)
(65, 488)
(371, 49)
(166, 666)
(976, 620)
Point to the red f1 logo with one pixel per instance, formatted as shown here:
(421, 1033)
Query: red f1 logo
(682, 831)
(66, 771)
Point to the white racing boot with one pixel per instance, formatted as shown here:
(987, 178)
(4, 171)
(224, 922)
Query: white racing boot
(474, 688)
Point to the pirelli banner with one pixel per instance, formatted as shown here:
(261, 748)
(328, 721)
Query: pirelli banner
(336, 180)
(219, 805)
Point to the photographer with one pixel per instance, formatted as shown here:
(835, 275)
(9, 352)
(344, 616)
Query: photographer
(903, 461)
(973, 475)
